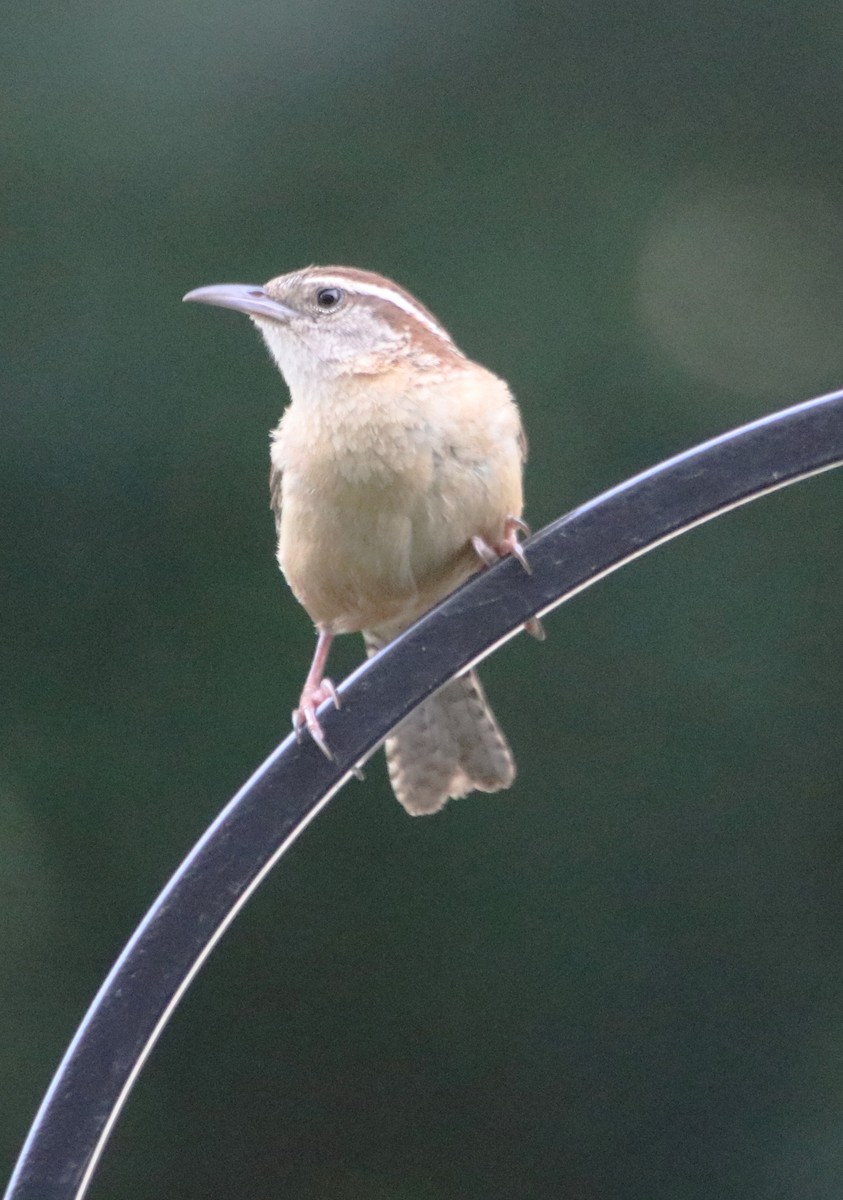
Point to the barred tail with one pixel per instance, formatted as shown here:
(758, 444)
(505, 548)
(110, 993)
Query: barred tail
(449, 746)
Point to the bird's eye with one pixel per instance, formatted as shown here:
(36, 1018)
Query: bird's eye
(328, 297)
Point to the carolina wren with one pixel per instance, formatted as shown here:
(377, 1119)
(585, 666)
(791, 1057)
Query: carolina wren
(396, 474)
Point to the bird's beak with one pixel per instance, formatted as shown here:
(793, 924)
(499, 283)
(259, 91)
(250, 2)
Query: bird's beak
(242, 297)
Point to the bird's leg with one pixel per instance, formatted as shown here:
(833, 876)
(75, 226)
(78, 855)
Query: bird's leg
(317, 688)
(509, 544)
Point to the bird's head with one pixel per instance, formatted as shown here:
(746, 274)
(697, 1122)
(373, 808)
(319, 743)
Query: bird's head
(330, 321)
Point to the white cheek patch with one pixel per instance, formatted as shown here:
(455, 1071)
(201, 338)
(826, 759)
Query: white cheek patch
(291, 354)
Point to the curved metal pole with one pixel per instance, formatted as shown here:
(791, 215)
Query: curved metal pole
(297, 781)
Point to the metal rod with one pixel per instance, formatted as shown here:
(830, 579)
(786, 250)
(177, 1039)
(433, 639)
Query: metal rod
(269, 812)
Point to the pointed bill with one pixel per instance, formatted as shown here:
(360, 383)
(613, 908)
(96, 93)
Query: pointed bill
(242, 297)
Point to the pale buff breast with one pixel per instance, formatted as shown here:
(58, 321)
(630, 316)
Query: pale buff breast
(380, 501)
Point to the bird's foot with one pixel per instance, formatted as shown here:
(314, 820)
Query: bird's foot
(509, 544)
(304, 717)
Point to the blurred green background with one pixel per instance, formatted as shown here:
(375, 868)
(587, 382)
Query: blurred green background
(622, 980)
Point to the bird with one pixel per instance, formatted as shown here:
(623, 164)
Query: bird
(396, 473)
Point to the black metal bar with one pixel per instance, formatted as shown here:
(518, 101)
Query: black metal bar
(297, 781)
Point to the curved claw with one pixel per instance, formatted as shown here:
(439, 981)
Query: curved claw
(517, 550)
(512, 526)
(509, 544)
(319, 738)
(484, 551)
(517, 523)
(304, 717)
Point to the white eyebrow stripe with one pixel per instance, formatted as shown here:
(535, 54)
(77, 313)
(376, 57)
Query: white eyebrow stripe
(386, 293)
